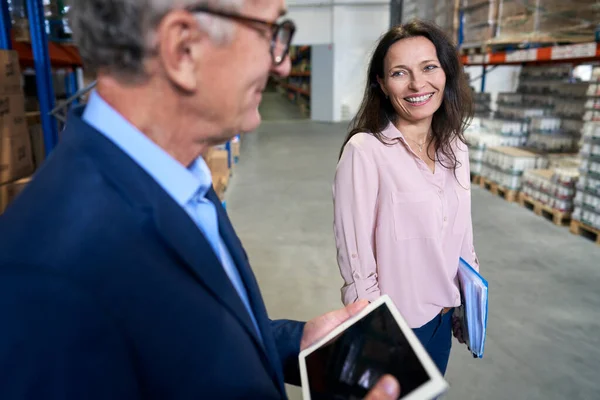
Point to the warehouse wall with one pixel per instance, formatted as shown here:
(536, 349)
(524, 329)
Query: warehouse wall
(352, 27)
(322, 83)
(314, 23)
(356, 30)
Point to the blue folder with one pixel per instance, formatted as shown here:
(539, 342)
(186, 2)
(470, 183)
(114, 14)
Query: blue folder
(474, 308)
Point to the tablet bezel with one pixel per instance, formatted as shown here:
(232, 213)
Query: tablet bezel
(434, 387)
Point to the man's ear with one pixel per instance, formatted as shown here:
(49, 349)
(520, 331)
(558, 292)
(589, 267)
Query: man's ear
(180, 45)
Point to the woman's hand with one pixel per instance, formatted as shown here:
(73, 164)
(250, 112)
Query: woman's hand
(457, 329)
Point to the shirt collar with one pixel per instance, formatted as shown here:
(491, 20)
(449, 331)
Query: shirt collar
(181, 183)
(391, 132)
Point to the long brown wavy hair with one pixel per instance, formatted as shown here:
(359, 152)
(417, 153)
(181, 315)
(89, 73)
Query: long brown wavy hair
(449, 121)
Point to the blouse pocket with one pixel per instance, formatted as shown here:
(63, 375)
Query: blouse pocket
(415, 215)
(462, 211)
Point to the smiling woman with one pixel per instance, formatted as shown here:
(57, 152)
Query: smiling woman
(402, 204)
(424, 45)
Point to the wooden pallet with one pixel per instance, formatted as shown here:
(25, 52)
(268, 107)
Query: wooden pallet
(476, 179)
(581, 229)
(556, 216)
(509, 195)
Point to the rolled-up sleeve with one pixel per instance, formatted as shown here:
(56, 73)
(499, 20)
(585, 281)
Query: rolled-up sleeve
(355, 203)
(468, 248)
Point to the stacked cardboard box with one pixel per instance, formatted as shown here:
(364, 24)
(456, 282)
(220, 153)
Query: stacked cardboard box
(547, 21)
(548, 105)
(16, 159)
(544, 116)
(36, 135)
(421, 9)
(479, 18)
(552, 187)
(218, 161)
(446, 18)
(506, 165)
(587, 199)
(221, 160)
(442, 12)
(483, 104)
(485, 133)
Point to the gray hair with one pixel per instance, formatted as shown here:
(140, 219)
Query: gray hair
(117, 35)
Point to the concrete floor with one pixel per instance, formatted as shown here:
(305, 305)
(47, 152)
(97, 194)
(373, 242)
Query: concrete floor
(544, 325)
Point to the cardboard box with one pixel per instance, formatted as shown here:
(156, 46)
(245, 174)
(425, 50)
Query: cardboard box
(220, 184)
(235, 150)
(32, 104)
(9, 191)
(10, 73)
(20, 30)
(547, 21)
(16, 160)
(37, 144)
(218, 162)
(12, 114)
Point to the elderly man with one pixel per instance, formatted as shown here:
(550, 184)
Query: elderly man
(121, 276)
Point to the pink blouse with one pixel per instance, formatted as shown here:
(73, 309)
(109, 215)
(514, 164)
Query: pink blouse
(399, 228)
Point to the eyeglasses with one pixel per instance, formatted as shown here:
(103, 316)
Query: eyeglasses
(282, 33)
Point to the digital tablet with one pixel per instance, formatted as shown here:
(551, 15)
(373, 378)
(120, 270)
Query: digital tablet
(353, 357)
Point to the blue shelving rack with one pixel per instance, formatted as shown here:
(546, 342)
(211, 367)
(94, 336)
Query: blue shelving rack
(5, 22)
(42, 65)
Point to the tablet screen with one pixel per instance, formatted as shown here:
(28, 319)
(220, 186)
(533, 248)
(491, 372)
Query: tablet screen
(352, 362)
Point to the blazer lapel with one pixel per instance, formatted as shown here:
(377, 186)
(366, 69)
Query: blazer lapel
(256, 302)
(182, 234)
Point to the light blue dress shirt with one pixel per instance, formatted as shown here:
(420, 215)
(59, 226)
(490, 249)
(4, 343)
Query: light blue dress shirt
(187, 186)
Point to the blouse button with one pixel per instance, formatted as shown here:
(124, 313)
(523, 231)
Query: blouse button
(354, 256)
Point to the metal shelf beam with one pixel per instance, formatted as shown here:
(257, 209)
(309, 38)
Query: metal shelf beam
(5, 23)
(567, 53)
(43, 72)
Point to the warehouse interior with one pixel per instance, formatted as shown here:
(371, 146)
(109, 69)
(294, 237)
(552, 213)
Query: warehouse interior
(542, 341)
(534, 148)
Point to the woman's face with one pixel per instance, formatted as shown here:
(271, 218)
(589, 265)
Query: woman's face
(413, 79)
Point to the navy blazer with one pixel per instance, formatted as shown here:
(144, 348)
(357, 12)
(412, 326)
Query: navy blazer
(108, 290)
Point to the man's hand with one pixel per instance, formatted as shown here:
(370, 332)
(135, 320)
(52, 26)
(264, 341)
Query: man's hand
(319, 327)
(386, 389)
